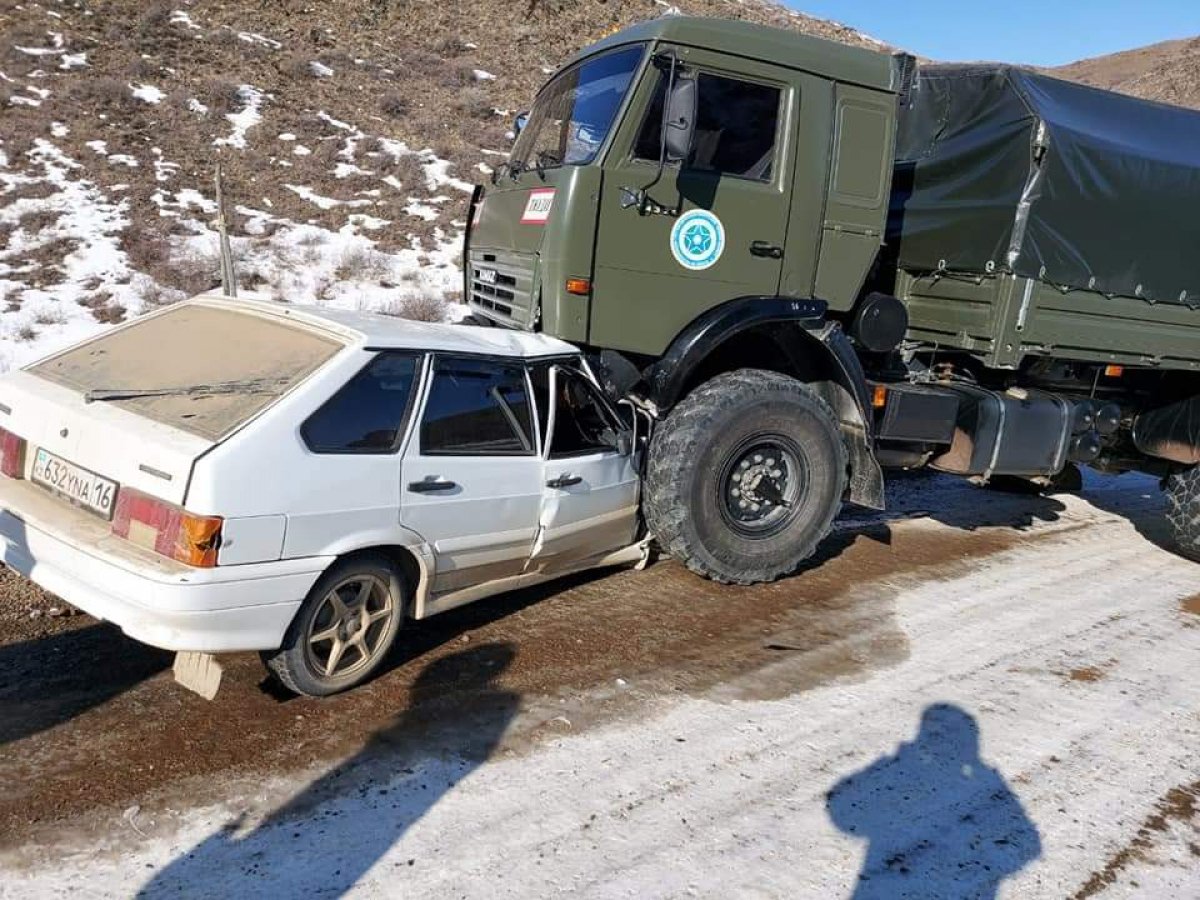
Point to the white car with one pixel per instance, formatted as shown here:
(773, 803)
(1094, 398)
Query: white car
(229, 475)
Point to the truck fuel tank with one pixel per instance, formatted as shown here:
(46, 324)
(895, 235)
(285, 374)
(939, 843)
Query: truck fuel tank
(1017, 432)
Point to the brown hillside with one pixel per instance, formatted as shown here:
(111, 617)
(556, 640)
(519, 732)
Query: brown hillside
(1168, 72)
(335, 113)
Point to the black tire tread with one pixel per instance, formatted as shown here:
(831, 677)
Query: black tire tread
(1183, 511)
(681, 435)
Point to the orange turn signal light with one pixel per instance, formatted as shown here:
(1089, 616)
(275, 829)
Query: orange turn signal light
(579, 286)
(879, 397)
(1114, 371)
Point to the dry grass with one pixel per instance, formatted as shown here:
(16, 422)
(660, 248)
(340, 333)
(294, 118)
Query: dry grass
(419, 307)
(364, 264)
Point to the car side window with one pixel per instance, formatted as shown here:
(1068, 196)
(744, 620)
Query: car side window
(477, 407)
(369, 412)
(735, 128)
(583, 422)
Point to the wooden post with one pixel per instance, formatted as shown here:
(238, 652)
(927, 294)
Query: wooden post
(228, 277)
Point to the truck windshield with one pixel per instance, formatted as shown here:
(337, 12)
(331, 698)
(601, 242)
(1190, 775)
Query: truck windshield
(574, 112)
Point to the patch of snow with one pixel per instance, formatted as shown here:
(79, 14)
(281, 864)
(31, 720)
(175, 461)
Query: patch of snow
(337, 123)
(58, 129)
(251, 38)
(307, 193)
(93, 225)
(287, 136)
(245, 119)
(370, 223)
(147, 93)
(73, 61)
(420, 210)
(123, 159)
(345, 170)
(40, 51)
(24, 101)
(301, 150)
(182, 17)
(164, 170)
(196, 106)
(320, 70)
(100, 147)
(481, 75)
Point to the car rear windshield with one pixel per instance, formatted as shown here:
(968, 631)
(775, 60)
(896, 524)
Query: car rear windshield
(203, 369)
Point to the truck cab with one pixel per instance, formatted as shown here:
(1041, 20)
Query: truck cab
(589, 234)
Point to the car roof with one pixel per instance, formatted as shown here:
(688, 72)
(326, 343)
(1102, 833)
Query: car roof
(378, 331)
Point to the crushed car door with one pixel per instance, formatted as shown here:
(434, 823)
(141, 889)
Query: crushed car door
(590, 501)
(472, 480)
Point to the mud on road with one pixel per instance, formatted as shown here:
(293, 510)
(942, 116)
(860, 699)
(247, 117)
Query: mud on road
(92, 721)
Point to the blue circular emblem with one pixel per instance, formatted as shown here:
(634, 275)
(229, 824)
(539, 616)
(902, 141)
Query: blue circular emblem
(697, 240)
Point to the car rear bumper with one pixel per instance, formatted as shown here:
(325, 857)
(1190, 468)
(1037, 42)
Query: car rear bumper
(153, 600)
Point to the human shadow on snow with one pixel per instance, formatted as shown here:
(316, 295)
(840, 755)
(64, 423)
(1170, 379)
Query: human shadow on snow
(323, 840)
(939, 822)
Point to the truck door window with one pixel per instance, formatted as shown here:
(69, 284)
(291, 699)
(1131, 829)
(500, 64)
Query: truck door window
(735, 129)
(477, 407)
(583, 422)
(368, 414)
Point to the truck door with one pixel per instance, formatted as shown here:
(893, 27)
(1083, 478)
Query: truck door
(732, 196)
(590, 504)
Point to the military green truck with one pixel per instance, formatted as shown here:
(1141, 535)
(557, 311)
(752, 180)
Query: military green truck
(808, 263)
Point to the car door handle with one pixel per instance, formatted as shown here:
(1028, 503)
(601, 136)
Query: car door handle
(431, 486)
(762, 248)
(563, 481)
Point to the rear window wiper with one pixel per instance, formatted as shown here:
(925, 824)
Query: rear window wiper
(246, 386)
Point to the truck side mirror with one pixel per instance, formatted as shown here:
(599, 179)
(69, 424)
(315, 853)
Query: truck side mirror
(519, 124)
(680, 118)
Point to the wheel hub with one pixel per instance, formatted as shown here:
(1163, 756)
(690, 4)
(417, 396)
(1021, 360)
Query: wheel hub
(761, 485)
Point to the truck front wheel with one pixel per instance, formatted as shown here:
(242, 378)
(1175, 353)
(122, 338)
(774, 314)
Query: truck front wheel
(1183, 510)
(745, 477)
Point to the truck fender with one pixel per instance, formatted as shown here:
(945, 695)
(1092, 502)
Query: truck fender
(817, 351)
(693, 346)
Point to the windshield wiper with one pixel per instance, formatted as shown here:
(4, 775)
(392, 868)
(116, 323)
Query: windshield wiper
(247, 386)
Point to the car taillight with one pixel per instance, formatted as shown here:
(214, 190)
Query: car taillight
(12, 454)
(167, 529)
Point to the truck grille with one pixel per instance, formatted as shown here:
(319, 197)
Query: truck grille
(501, 286)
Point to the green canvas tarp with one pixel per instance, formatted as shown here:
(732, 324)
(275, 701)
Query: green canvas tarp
(1001, 169)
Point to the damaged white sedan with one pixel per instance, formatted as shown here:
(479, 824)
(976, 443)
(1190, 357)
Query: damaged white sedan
(231, 475)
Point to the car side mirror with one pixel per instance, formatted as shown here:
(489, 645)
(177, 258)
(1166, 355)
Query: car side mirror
(519, 124)
(680, 118)
(625, 443)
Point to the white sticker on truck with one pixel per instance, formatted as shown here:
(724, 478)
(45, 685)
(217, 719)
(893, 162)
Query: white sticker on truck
(697, 240)
(537, 207)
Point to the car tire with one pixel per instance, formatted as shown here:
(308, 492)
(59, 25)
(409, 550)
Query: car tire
(357, 606)
(1183, 511)
(745, 477)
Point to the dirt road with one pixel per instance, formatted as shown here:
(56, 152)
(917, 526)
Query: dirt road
(974, 693)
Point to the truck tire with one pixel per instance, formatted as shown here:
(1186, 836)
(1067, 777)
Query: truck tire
(357, 606)
(745, 428)
(1183, 511)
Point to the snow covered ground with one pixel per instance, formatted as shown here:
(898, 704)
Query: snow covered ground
(1022, 723)
(65, 272)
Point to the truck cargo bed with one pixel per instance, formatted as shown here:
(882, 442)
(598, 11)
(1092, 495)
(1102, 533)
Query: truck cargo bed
(1032, 216)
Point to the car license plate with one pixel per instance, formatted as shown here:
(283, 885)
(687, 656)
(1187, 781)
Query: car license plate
(487, 276)
(78, 485)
